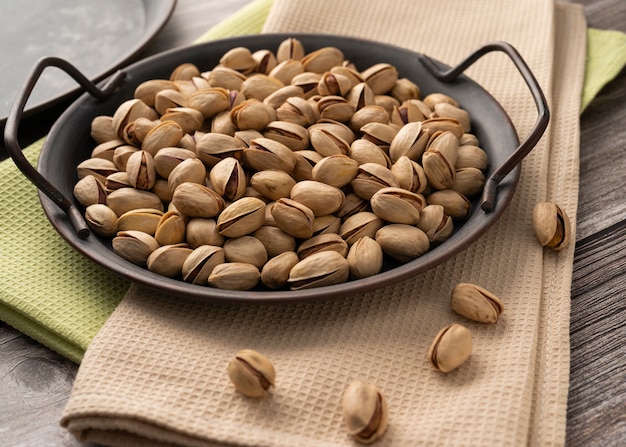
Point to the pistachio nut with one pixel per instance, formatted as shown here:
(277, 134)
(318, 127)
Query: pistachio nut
(265, 153)
(446, 110)
(184, 71)
(468, 139)
(203, 231)
(169, 157)
(165, 134)
(243, 216)
(134, 246)
(439, 160)
(297, 110)
(476, 303)
(240, 59)
(147, 90)
(437, 225)
(100, 168)
(126, 199)
(106, 150)
(365, 411)
(335, 108)
(201, 262)
(275, 240)
(286, 70)
(251, 373)
(167, 99)
(326, 224)
(89, 191)
(290, 48)
(252, 114)
(320, 269)
(551, 225)
(191, 170)
(213, 147)
(335, 170)
(102, 129)
(140, 170)
(451, 347)
(389, 103)
(187, 118)
(409, 111)
(293, 218)
(170, 229)
(168, 260)
(234, 276)
(397, 205)
(468, 181)
(292, 135)
(265, 61)
(272, 183)
(365, 258)
(228, 179)
(323, 59)
(455, 204)
(128, 111)
(278, 97)
(410, 175)
(410, 140)
(162, 190)
(380, 134)
(196, 200)
(260, 86)
(142, 219)
(444, 124)
(320, 198)
(209, 101)
(245, 249)
(402, 242)
(358, 225)
(405, 89)
(364, 151)
(305, 161)
(368, 114)
(117, 180)
(327, 143)
(361, 95)
(435, 98)
(381, 77)
(221, 123)
(323, 242)
(226, 77)
(101, 219)
(371, 178)
(308, 82)
(275, 272)
(471, 156)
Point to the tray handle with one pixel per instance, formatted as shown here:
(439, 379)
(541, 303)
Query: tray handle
(489, 192)
(13, 123)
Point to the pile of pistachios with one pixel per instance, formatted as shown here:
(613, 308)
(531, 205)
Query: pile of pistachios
(279, 170)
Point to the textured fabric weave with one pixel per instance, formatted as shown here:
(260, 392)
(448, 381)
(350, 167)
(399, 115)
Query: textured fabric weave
(155, 373)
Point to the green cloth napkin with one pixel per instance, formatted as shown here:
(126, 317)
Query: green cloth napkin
(52, 294)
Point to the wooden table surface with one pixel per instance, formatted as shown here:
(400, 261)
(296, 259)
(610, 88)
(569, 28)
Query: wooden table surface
(35, 382)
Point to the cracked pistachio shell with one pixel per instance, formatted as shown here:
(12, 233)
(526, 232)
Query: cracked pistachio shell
(165, 134)
(121, 155)
(327, 143)
(209, 101)
(365, 413)
(293, 218)
(140, 170)
(437, 225)
(380, 77)
(185, 71)
(213, 147)
(336, 83)
(409, 111)
(368, 114)
(371, 178)
(168, 99)
(292, 135)
(326, 224)
(323, 242)
(106, 150)
(410, 174)
(129, 111)
(308, 82)
(435, 98)
(243, 216)
(168, 260)
(335, 129)
(451, 347)
(405, 89)
(187, 118)
(272, 183)
(455, 204)
(265, 153)
(201, 262)
(476, 303)
(147, 90)
(286, 70)
(239, 59)
(439, 160)
(290, 48)
(277, 98)
(170, 229)
(235, 276)
(265, 60)
(297, 110)
(305, 161)
(260, 86)
(169, 157)
(335, 170)
(324, 268)
(191, 170)
(410, 140)
(126, 199)
(275, 272)
(101, 219)
(100, 168)
(252, 373)
(322, 60)
(245, 249)
(320, 198)
(380, 134)
(142, 219)
(402, 242)
(361, 95)
(226, 77)
(365, 258)
(360, 224)
(335, 108)
(352, 204)
(552, 225)
(228, 179)
(397, 205)
(444, 124)
(134, 246)
(117, 180)
(89, 191)
(363, 151)
(196, 200)
(203, 231)
(445, 110)
(252, 114)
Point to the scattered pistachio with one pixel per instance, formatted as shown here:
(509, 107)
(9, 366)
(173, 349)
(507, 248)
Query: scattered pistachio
(251, 373)
(364, 411)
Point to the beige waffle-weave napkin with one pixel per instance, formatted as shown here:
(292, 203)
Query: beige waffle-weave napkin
(155, 374)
